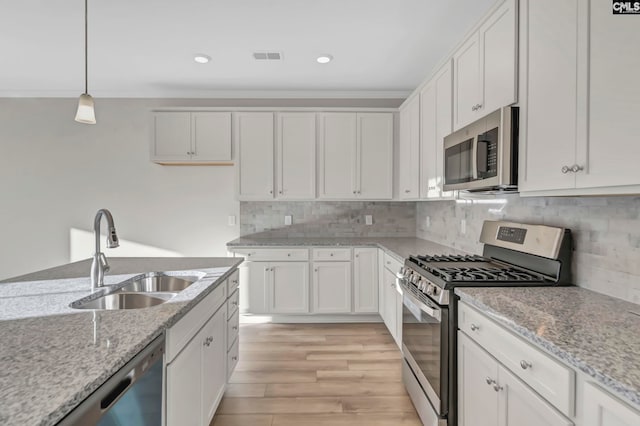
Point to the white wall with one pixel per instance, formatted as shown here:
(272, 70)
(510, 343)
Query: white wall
(55, 174)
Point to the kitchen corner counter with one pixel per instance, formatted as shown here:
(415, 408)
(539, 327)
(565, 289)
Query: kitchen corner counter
(398, 247)
(53, 356)
(589, 331)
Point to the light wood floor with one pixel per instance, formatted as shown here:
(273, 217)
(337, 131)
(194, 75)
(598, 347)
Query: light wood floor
(316, 375)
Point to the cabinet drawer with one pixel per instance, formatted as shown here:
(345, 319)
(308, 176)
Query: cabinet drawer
(233, 282)
(391, 263)
(331, 254)
(179, 335)
(232, 303)
(275, 255)
(233, 328)
(551, 379)
(232, 358)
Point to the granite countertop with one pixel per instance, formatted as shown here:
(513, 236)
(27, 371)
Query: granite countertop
(398, 247)
(589, 331)
(53, 356)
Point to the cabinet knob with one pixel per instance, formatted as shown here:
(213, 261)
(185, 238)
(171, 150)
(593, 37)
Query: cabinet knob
(355, 192)
(279, 192)
(235, 358)
(565, 169)
(576, 168)
(393, 285)
(525, 364)
(315, 270)
(234, 303)
(497, 387)
(406, 191)
(357, 255)
(208, 340)
(271, 191)
(489, 381)
(474, 327)
(288, 254)
(234, 281)
(235, 327)
(331, 254)
(188, 153)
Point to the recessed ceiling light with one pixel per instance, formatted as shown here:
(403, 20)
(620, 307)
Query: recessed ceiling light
(201, 59)
(324, 58)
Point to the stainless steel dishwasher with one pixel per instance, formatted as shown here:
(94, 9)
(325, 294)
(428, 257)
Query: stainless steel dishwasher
(132, 396)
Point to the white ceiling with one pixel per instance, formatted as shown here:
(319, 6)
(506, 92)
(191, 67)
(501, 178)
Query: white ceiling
(145, 48)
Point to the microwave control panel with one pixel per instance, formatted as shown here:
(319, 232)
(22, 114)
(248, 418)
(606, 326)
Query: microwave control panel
(487, 155)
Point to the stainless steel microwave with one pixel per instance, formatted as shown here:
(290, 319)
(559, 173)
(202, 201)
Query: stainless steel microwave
(483, 156)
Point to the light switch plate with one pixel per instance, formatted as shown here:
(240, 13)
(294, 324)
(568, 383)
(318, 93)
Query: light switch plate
(288, 219)
(368, 219)
(231, 221)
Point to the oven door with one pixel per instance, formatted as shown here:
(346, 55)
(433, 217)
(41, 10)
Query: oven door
(425, 346)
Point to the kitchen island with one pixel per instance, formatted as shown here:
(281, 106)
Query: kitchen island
(53, 356)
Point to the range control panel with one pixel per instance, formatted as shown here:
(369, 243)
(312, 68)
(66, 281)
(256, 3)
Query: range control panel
(512, 235)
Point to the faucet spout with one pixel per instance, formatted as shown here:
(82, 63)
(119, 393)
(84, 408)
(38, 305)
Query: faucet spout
(100, 265)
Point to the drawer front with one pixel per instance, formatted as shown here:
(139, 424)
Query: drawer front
(275, 255)
(181, 333)
(540, 371)
(232, 359)
(232, 303)
(233, 329)
(331, 254)
(391, 263)
(233, 282)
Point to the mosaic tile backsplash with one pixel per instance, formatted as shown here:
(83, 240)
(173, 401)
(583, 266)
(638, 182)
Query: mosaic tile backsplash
(328, 218)
(606, 233)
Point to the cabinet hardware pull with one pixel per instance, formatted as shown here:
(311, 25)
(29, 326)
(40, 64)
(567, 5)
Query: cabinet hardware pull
(234, 281)
(576, 168)
(393, 285)
(406, 191)
(474, 327)
(235, 327)
(525, 364)
(497, 388)
(235, 358)
(279, 192)
(288, 254)
(565, 170)
(234, 303)
(354, 192)
(331, 254)
(489, 381)
(315, 270)
(271, 191)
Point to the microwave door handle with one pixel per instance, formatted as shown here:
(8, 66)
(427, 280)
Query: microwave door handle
(474, 158)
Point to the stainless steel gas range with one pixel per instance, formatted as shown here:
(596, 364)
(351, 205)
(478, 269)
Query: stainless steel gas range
(514, 254)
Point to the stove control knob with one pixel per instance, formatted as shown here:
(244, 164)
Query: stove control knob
(414, 279)
(430, 290)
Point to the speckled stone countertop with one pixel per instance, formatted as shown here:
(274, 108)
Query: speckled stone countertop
(400, 247)
(53, 357)
(589, 331)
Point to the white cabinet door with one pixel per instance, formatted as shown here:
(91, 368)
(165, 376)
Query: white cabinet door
(365, 280)
(601, 409)
(498, 58)
(466, 82)
(211, 136)
(296, 156)
(214, 356)
(184, 386)
(436, 100)
(171, 136)
(255, 140)
(391, 304)
(337, 151)
(550, 77)
(256, 276)
(519, 405)
(477, 375)
(331, 287)
(289, 287)
(610, 156)
(410, 149)
(375, 156)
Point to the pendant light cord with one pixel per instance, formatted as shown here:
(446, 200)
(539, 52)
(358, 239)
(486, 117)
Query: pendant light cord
(86, 48)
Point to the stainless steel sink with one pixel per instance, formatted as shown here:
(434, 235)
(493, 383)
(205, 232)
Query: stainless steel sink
(158, 282)
(123, 301)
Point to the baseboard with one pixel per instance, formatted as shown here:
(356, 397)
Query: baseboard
(310, 319)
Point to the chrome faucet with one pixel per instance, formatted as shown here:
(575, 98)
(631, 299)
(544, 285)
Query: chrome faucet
(99, 265)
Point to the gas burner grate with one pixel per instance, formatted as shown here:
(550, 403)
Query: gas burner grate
(485, 274)
(451, 258)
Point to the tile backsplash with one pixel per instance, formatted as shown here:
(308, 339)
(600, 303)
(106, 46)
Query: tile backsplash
(606, 233)
(328, 218)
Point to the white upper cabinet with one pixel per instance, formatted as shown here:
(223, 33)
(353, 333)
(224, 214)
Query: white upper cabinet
(255, 141)
(410, 149)
(602, 409)
(296, 156)
(191, 137)
(435, 124)
(356, 155)
(485, 67)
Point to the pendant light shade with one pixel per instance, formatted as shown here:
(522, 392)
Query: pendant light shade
(86, 111)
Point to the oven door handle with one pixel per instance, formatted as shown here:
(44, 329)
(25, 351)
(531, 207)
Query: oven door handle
(432, 312)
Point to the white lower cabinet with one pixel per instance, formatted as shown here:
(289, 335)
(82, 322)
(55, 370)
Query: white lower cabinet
(288, 287)
(332, 287)
(602, 409)
(391, 306)
(196, 378)
(365, 280)
(489, 395)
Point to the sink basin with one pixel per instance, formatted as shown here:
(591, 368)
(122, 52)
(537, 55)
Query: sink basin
(158, 282)
(121, 301)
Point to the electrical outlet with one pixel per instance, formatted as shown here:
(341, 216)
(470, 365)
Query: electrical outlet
(288, 219)
(428, 222)
(368, 219)
(231, 221)
(463, 226)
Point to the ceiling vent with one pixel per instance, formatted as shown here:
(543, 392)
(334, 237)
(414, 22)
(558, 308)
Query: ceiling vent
(267, 56)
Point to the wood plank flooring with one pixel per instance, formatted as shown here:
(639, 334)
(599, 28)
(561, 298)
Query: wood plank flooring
(316, 375)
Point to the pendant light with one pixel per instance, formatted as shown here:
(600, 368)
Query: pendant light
(86, 113)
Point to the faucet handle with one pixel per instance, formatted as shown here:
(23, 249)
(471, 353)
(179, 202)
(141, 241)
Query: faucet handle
(103, 262)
